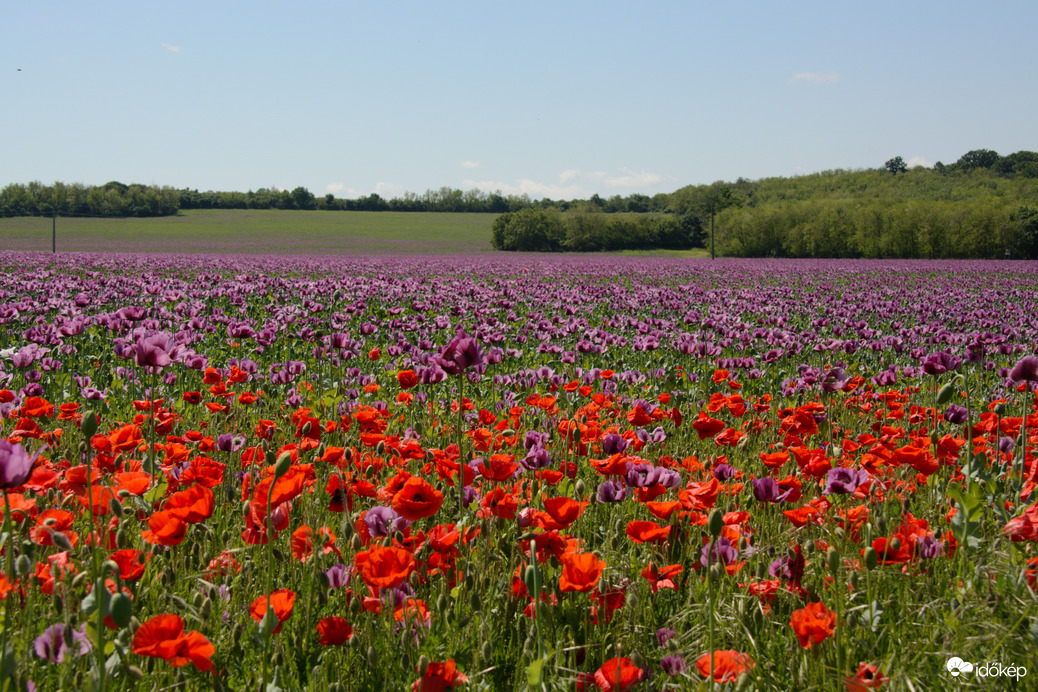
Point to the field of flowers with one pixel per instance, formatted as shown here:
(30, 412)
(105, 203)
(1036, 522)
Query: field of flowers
(597, 473)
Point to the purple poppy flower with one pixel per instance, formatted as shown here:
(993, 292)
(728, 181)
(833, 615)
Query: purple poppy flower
(724, 472)
(154, 349)
(1025, 370)
(338, 576)
(613, 444)
(940, 363)
(956, 415)
(723, 552)
(53, 646)
(538, 458)
(535, 439)
(767, 490)
(1006, 445)
(611, 491)
(382, 520)
(842, 480)
(229, 442)
(673, 664)
(664, 635)
(15, 464)
(459, 355)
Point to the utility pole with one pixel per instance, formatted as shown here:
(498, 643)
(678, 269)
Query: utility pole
(54, 234)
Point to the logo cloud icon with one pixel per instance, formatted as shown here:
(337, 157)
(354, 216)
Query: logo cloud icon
(956, 666)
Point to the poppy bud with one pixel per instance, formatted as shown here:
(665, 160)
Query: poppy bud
(380, 448)
(832, 558)
(121, 609)
(442, 603)
(284, 463)
(61, 540)
(715, 523)
(372, 656)
(179, 602)
(854, 580)
(206, 609)
(762, 570)
(1000, 409)
(895, 544)
(23, 565)
(715, 572)
(946, 393)
(88, 426)
(116, 506)
(134, 672)
(77, 581)
(423, 665)
(580, 488)
(871, 559)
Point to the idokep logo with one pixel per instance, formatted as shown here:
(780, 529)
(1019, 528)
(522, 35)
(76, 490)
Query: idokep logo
(957, 667)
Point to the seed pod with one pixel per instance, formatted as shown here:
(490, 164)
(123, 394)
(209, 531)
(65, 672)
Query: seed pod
(88, 426)
(832, 558)
(284, 463)
(871, 558)
(715, 523)
(121, 608)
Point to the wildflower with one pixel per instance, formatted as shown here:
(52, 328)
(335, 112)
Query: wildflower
(385, 567)
(813, 624)
(53, 646)
(1025, 370)
(334, 631)
(727, 665)
(163, 637)
(417, 499)
(438, 676)
(868, 677)
(842, 480)
(618, 674)
(280, 601)
(15, 464)
(580, 572)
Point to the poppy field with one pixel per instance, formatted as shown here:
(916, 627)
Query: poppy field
(428, 473)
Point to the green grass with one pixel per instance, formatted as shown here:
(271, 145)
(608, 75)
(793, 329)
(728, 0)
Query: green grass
(260, 232)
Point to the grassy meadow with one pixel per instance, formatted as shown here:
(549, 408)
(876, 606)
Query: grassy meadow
(304, 233)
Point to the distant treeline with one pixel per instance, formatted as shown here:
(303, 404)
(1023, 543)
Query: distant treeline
(550, 230)
(983, 205)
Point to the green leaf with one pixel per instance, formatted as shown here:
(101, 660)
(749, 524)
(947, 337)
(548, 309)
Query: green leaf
(156, 493)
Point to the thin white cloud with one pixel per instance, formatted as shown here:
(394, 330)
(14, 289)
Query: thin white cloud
(814, 78)
(171, 49)
(470, 164)
(919, 161)
(382, 189)
(571, 184)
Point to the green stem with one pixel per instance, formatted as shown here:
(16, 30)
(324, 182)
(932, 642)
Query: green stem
(9, 551)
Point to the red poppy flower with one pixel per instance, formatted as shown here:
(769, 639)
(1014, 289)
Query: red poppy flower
(417, 499)
(406, 379)
(813, 624)
(705, 426)
(163, 637)
(439, 676)
(664, 578)
(647, 532)
(334, 631)
(281, 601)
(385, 567)
(564, 510)
(580, 572)
(131, 563)
(868, 677)
(728, 665)
(618, 674)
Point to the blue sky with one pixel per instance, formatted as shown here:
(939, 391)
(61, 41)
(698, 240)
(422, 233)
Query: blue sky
(558, 99)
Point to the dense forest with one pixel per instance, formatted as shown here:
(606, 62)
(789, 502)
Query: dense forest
(984, 205)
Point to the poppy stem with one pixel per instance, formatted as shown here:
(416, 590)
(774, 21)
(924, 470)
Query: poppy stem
(8, 551)
(461, 463)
